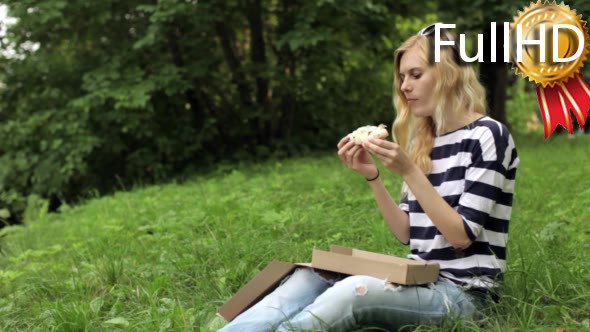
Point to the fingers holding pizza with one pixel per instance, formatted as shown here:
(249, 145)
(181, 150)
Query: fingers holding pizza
(354, 149)
(354, 155)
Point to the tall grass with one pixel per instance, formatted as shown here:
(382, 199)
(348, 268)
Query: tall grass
(166, 257)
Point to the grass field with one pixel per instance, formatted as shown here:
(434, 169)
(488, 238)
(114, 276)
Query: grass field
(165, 257)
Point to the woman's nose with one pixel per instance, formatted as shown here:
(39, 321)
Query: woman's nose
(405, 86)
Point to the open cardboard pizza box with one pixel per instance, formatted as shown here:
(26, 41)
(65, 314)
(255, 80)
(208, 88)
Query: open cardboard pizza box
(339, 259)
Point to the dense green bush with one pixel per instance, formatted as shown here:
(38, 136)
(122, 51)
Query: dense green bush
(104, 93)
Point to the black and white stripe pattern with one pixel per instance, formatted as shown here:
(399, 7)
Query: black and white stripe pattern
(474, 169)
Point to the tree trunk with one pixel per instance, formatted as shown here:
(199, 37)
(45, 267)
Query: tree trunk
(494, 76)
(258, 56)
(233, 63)
(198, 105)
(287, 62)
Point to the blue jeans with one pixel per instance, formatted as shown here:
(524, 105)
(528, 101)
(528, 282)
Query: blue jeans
(306, 301)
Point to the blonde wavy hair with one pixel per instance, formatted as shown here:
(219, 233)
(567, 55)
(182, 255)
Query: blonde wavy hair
(457, 91)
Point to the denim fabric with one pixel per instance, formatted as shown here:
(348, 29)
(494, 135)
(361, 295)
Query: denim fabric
(306, 301)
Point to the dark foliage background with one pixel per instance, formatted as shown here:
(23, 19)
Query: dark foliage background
(102, 93)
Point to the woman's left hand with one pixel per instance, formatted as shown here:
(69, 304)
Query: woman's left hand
(391, 154)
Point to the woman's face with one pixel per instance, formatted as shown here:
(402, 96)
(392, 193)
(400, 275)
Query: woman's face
(417, 83)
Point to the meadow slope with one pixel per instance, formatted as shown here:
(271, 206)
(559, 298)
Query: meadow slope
(164, 257)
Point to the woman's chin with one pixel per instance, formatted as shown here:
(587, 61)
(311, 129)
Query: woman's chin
(417, 113)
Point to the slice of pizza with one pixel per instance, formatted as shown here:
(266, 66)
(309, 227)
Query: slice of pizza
(362, 134)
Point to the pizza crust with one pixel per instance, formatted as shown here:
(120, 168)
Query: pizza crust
(362, 134)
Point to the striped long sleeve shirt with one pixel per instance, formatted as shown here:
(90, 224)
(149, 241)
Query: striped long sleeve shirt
(474, 169)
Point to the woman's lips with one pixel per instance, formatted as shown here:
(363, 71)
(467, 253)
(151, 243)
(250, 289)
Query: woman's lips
(412, 100)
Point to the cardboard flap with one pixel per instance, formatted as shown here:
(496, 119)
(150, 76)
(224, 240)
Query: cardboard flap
(374, 256)
(341, 250)
(354, 265)
(256, 289)
(422, 274)
(381, 257)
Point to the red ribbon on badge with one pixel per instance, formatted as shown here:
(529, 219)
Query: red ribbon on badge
(557, 101)
(561, 85)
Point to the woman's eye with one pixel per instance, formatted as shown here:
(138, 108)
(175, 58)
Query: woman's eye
(417, 76)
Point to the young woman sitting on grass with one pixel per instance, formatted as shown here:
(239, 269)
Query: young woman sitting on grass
(458, 167)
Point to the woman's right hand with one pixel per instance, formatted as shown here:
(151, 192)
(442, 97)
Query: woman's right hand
(356, 158)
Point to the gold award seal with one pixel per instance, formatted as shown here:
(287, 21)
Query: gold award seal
(561, 86)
